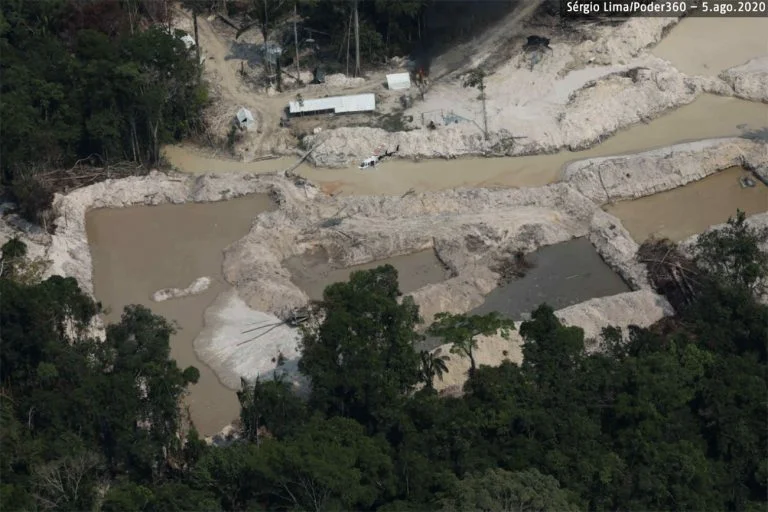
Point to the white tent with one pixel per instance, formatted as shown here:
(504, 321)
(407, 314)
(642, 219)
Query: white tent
(245, 119)
(399, 81)
(188, 40)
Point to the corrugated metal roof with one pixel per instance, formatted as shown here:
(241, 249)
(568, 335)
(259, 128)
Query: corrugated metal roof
(338, 104)
(398, 81)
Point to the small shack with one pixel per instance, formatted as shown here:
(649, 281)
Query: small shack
(399, 81)
(245, 119)
(334, 105)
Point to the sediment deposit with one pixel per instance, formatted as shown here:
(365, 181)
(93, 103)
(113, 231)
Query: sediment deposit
(572, 98)
(68, 249)
(749, 81)
(469, 230)
(197, 286)
(610, 179)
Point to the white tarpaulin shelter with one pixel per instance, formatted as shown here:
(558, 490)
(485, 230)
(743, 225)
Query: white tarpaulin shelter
(188, 40)
(334, 105)
(245, 119)
(399, 81)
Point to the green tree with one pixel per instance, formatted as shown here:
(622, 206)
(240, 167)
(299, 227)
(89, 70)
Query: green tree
(15, 265)
(733, 254)
(476, 79)
(360, 359)
(461, 331)
(329, 465)
(497, 490)
(269, 406)
(432, 365)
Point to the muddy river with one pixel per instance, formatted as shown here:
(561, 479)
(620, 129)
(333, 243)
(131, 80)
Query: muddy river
(685, 211)
(312, 272)
(706, 117)
(138, 250)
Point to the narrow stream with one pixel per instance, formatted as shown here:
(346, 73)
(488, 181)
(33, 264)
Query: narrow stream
(139, 250)
(707, 117)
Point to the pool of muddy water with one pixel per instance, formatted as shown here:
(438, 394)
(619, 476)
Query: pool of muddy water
(139, 250)
(684, 211)
(707, 46)
(561, 275)
(312, 272)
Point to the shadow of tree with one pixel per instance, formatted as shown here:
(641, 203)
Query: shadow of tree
(252, 53)
(759, 134)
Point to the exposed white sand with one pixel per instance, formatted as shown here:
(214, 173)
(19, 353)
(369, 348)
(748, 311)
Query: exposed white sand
(223, 343)
(197, 286)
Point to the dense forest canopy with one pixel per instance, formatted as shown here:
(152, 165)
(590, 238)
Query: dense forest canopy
(94, 81)
(672, 418)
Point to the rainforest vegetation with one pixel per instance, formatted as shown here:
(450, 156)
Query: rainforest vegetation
(674, 417)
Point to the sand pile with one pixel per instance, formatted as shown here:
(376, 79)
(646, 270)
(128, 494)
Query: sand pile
(224, 342)
(538, 102)
(749, 81)
(197, 287)
(619, 44)
(611, 179)
(573, 98)
(467, 229)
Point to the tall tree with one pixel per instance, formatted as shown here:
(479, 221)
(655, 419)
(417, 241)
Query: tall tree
(497, 490)
(734, 254)
(476, 78)
(432, 365)
(461, 331)
(361, 359)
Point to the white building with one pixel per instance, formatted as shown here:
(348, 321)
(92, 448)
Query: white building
(245, 119)
(399, 81)
(334, 105)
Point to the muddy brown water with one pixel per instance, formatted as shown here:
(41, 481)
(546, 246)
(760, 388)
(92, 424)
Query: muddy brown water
(685, 211)
(312, 272)
(561, 275)
(139, 250)
(707, 117)
(707, 46)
